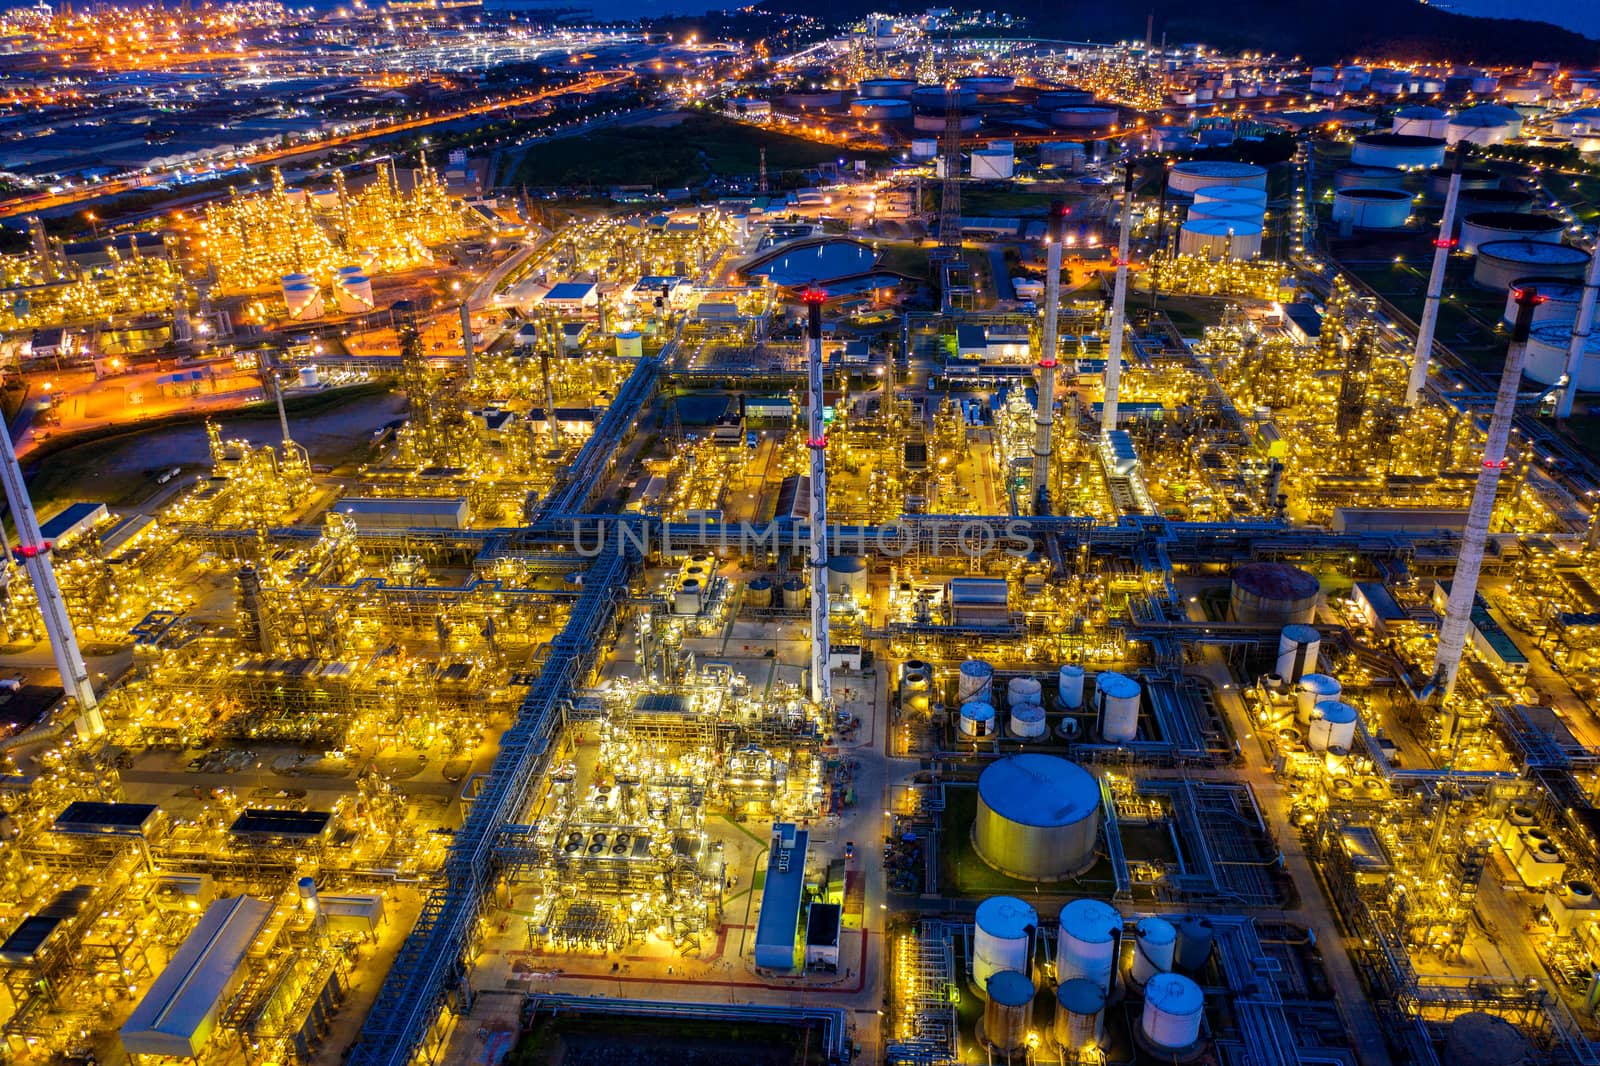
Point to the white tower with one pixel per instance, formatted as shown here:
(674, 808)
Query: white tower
(821, 682)
(1044, 410)
(1430, 307)
(1119, 306)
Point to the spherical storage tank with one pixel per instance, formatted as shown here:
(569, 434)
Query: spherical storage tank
(1397, 150)
(1173, 1009)
(1038, 817)
(1008, 1012)
(976, 720)
(1197, 174)
(884, 109)
(1087, 942)
(1272, 592)
(1369, 178)
(1372, 208)
(1082, 118)
(1080, 1015)
(886, 88)
(1003, 937)
(1481, 227)
(1155, 941)
(1311, 690)
(1502, 262)
(1117, 699)
(1220, 238)
(1421, 121)
(1547, 355)
(1333, 726)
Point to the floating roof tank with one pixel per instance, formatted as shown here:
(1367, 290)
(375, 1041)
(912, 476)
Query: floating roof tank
(1501, 262)
(1481, 227)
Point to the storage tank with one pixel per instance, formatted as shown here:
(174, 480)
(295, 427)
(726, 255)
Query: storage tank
(1481, 1039)
(758, 593)
(1311, 690)
(1501, 262)
(1056, 99)
(847, 576)
(630, 344)
(304, 300)
(1484, 84)
(931, 99)
(924, 148)
(989, 84)
(1038, 817)
(1218, 239)
(1372, 208)
(1397, 150)
(813, 101)
(1069, 682)
(975, 681)
(1486, 124)
(1298, 646)
(1197, 174)
(1195, 938)
(1155, 942)
(1249, 214)
(794, 594)
(309, 378)
(881, 109)
(1027, 721)
(1547, 355)
(1333, 726)
(688, 596)
(933, 122)
(886, 88)
(1421, 120)
(1481, 227)
(1020, 690)
(1470, 203)
(1561, 297)
(1003, 936)
(1063, 154)
(989, 164)
(1008, 1012)
(1083, 118)
(1369, 178)
(1117, 700)
(1232, 194)
(1080, 1016)
(354, 294)
(1173, 1009)
(977, 720)
(1272, 592)
(1473, 179)
(1322, 75)
(1087, 943)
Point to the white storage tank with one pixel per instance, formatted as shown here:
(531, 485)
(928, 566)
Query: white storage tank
(1272, 592)
(975, 681)
(1561, 298)
(1372, 208)
(1397, 150)
(1069, 681)
(1003, 936)
(1502, 262)
(847, 576)
(1311, 690)
(1080, 1016)
(1192, 176)
(1233, 213)
(885, 88)
(933, 121)
(1484, 125)
(1333, 726)
(354, 294)
(1020, 690)
(1155, 942)
(1421, 120)
(1369, 178)
(1220, 239)
(1232, 194)
(989, 164)
(934, 99)
(977, 720)
(989, 84)
(1482, 227)
(1027, 721)
(688, 596)
(1173, 1009)
(309, 378)
(630, 344)
(1117, 699)
(1038, 817)
(1547, 355)
(924, 148)
(1485, 84)
(1298, 646)
(1087, 943)
(1007, 1014)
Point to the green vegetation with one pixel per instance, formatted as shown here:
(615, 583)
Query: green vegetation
(908, 259)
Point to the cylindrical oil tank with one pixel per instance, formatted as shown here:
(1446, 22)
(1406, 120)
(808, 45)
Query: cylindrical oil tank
(1003, 936)
(1369, 178)
(1038, 817)
(1008, 1012)
(354, 294)
(1470, 203)
(977, 719)
(1561, 298)
(1298, 646)
(1478, 126)
(1083, 118)
(1547, 355)
(1272, 592)
(1311, 690)
(1322, 75)
(1473, 179)
(1231, 213)
(1080, 1015)
(1219, 239)
(794, 594)
(883, 109)
(1155, 942)
(630, 344)
(975, 681)
(847, 576)
(1195, 937)
(886, 88)
(1481, 1039)
(1117, 700)
(1481, 227)
(1027, 721)
(1420, 120)
(758, 593)
(933, 99)
(1502, 262)
(1087, 942)
(1055, 99)
(1173, 1009)
(1397, 150)
(304, 300)
(1069, 681)
(1232, 194)
(1372, 208)
(1020, 690)
(1197, 174)
(1333, 726)
(991, 164)
(933, 122)
(989, 84)
(309, 378)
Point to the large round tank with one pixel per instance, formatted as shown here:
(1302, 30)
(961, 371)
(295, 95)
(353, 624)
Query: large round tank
(989, 84)
(1080, 1015)
(1197, 174)
(933, 99)
(933, 121)
(1397, 150)
(1008, 1012)
(811, 101)
(1298, 646)
(884, 109)
(1502, 262)
(886, 88)
(1333, 726)
(1547, 355)
(354, 294)
(1062, 154)
(1232, 194)
(1003, 936)
(1155, 942)
(1228, 212)
(630, 344)
(975, 681)
(1038, 817)
(1211, 238)
(309, 378)
(1369, 178)
(847, 575)
(1195, 938)
(1087, 943)
(1272, 592)
(1027, 721)
(1372, 208)
(1480, 1039)
(1473, 179)
(1470, 202)
(1420, 120)
(794, 594)
(1054, 99)
(758, 593)
(1482, 126)
(1481, 227)
(1561, 298)
(1083, 118)
(1311, 690)
(1117, 700)
(976, 720)
(1484, 84)
(1069, 681)
(1173, 1009)
(1020, 690)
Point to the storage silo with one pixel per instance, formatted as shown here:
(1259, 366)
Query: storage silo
(1561, 298)
(1003, 936)
(975, 681)
(1481, 1039)
(1195, 939)
(1220, 239)
(1027, 721)
(1020, 690)
(1009, 1010)
(794, 594)
(1086, 945)
(1420, 120)
(1069, 682)
(1501, 262)
(1080, 1016)
(1333, 726)
(1311, 690)
(1372, 208)
(1482, 227)
(1038, 817)
(1398, 150)
(976, 720)
(630, 344)
(1189, 177)
(1272, 592)
(1155, 942)
(1174, 1006)
(1298, 646)
(1547, 355)
(1117, 701)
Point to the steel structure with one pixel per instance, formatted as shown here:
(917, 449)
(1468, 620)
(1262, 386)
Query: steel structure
(1119, 304)
(1044, 413)
(950, 190)
(817, 445)
(1430, 308)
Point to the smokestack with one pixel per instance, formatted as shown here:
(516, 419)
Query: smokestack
(1044, 409)
(1580, 335)
(1441, 258)
(1464, 583)
(821, 682)
(466, 337)
(1119, 303)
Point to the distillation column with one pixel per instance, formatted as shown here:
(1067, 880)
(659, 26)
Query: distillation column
(1044, 409)
(466, 337)
(1581, 329)
(35, 556)
(1464, 583)
(1119, 304)
(821, 682)
(1430, 307)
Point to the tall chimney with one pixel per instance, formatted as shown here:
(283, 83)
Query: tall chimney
(1044, 409)
(1119, 303)
(821, 682)
(466, 337)
(1580, 335)
(1430, 307)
